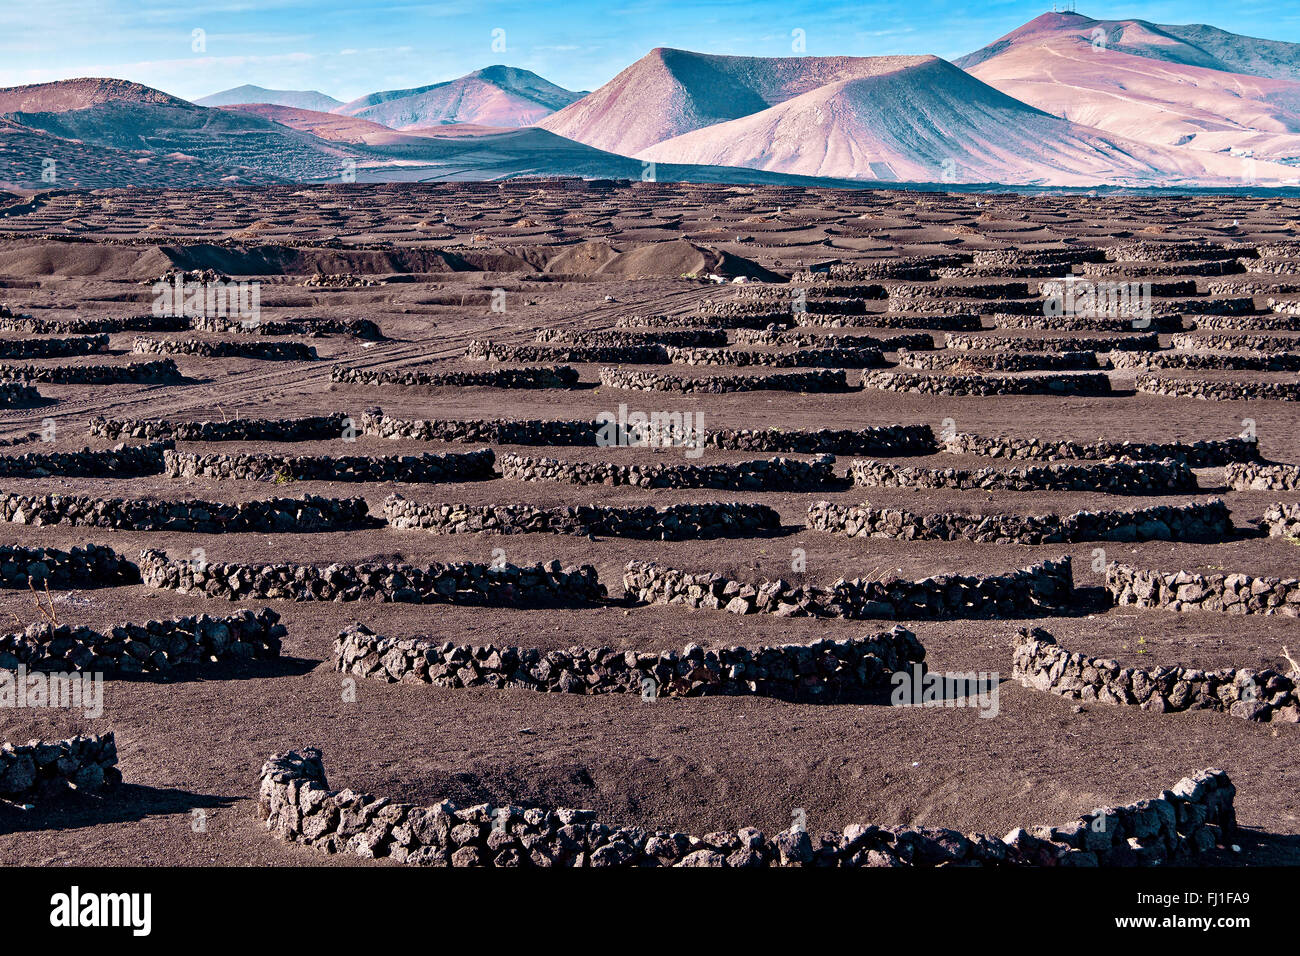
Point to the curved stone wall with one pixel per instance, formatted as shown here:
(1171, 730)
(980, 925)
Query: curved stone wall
(308, 513)
(937, 321)
(315, 327)
(269, 351)
(767, 474)
(39, 769)
(1185, 591)
(561, 376)
(802, 358)
(915, 341)
(145, 648)
(1088, 323)
(464, 582)
(52, 348)
(1229, 341)
(825, 380)
(997, 361)
(1143, 341)
(18, 395)
(646, 354)
(91, 566)
(1209, 361)
(142, 373)
(855, 669)
(1197, 454)
(1218, 391)
(1114, 478)
(684, 338)
(1044, 588)
(1190, 522)
(682, 522)
(469, 466)
(135, 323)
(313, 428)
(1261, 695)
(938, 383)
(124, 461)
(1282, 521)
(296, 804)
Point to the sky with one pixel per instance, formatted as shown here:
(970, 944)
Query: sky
(348, 48)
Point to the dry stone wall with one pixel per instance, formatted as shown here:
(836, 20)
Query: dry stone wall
(469, 583)
(645, 354)
(1186, 591)
(765, 474)
(124, 461)
(1044, 588)
(1260, 695)
(270, 351)
(141, 373)
(802, 358)
(1257, 476)
(313, 428)
(1218, 391)
(155, 647)
(39, 770)
(1113, 478)
(469, 466)
(560, 376)
(950, 321)
(1194, 521)
(308, 513)
(824, 380)
(684, 338)
(1054, 343)
(52, 347)
(18, 395)
(937, 383)
(1282, 521)
(1209, 361)
(997, 361)
(1198, 454)
(91, 566)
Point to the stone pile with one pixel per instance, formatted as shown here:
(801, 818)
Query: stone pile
(1260, 695)
(1282, 521)
(683, 522)
(145, 648)
(1257, 476)
(466, 582)
(1044, 588)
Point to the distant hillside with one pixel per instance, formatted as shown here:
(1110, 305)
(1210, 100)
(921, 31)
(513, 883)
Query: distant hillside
(495, 96)
(298, 99)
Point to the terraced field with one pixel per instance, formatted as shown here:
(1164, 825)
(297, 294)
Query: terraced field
(620, 516)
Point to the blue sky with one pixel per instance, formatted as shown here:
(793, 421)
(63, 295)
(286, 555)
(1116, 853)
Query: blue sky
(347, 48)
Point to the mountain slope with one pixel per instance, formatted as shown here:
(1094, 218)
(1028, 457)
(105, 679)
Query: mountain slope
(495, 96)
(80, 94)
(670, 92)
(928, 121)
(298, 99)
(1146, 82)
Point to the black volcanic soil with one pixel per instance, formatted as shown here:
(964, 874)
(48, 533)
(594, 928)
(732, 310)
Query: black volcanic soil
(195, 741)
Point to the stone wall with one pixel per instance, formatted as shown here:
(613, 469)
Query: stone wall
(1261, 695)
(91, 566)
(897, 320)
(1185, 591)
(1229, 341)
(308, 513)
(1114, 478)
(684, 338)
(823, 380)
(1088, 323)
(315, 327)
(51, 347)
(496, 431)
(1211, 361)
(1218, 391)
(1257, 476)
(1198, 454)
(855, 669)
(139, 648)
(469, 466)
(1044, 588)
(561, 376)
(767, 474)
(700, 320)
(1054, 343)
(802, 358)
(871, 440)
(997, 361)
(1245, 323)
(803, 340)
(1194, 521)
(38, 770)
(163, 371)
(683, 522)
(643, 354)
(464, 582)
(296, 804)
(936, 383)
(270, 351)
(18, 395)
(94, 326)
(123, 461)
(1282, 521)
(965, 290)
(313, 428)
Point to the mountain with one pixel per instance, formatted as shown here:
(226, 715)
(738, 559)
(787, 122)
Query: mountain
(128, 117)
(924, 120)
(298, 99)
(495, 96)
(1172, 86)
(330, 126)
(670, 92)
